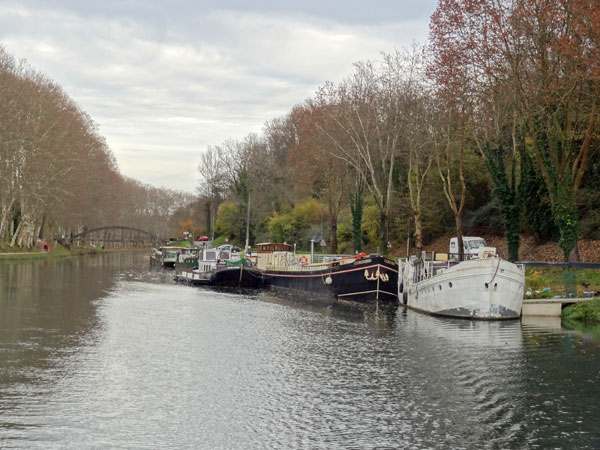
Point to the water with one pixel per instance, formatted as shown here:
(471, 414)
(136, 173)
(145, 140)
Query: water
(101, 352)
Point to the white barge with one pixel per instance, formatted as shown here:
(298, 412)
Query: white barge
(483, 287)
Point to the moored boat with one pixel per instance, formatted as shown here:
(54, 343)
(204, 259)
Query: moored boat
(482, 287)
(362, 278)
(219, 267)
(187, 257)
(166, 256)
(236, 274)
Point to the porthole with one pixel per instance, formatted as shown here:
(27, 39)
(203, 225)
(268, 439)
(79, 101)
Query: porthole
(450, 284)
(440, 286)
(487, 285)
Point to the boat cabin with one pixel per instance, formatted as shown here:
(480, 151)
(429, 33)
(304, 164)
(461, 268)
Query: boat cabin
(268, 254)
(170, 255)
(270, 248)
(213, 257)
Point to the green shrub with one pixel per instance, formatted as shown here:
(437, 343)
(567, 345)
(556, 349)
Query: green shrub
(344, 233)
(370, 223)
(228, 219)
(219, 240)
(588, 311)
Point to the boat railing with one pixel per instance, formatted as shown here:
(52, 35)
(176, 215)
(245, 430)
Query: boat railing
(206, 266)
(298, 267)
(424, 270)
(329, 258)
(456, 257)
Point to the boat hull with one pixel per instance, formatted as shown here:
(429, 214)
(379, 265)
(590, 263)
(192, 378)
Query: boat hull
(488, 289)
(158, 262)
(236, 277)
(368, 280)
(241, 276)
(193, 277)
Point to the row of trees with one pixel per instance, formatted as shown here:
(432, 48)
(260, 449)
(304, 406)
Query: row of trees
(57, 175)
(523, 76)
(503, 100)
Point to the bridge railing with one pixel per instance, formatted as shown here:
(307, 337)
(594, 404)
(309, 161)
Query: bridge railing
(110, 236)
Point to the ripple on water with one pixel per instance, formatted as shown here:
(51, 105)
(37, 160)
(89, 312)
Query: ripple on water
(135, 361)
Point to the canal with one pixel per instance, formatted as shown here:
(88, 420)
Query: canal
(102, 352)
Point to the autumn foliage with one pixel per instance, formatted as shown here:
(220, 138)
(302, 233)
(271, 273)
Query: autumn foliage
(527, 73)
(57, 174)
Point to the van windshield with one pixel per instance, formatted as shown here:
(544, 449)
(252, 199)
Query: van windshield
(476, 244)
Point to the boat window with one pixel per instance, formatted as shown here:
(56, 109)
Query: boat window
(211, 255)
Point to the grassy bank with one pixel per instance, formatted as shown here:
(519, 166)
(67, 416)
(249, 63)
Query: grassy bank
(548, 282)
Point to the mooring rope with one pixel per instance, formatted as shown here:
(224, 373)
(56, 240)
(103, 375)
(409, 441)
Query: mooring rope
(497, 266)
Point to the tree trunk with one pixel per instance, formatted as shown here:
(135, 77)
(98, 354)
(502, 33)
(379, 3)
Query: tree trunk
(357, 211)
(15, 236)
(418, 231)
(566, 219)
(5, 219)
(459, 235)
(3, 226)
(513, 242)
(26, 234)
(333, 235)
(382, 244)
(507, 191)
(573, 254)
(40, 233)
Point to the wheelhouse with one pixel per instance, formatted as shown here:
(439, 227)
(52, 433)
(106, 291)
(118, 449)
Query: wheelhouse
(270, 248)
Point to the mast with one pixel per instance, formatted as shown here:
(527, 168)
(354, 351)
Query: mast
(248, 224)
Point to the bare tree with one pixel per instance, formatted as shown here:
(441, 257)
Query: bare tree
(450, 162)
(364, 118)
(212, 184)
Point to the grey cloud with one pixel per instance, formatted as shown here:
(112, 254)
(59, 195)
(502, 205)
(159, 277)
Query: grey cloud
(156, 12)
(164, 80)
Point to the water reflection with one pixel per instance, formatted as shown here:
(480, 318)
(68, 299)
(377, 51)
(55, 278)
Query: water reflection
(103, 353)
(591, 330)
(46, 308)
(463, 373)
(382, 316)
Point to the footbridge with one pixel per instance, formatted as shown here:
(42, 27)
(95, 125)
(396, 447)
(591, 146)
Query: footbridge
(114, 236)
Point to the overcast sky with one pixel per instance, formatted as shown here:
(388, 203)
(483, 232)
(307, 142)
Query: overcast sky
(165, 79)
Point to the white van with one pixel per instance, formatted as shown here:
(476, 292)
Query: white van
(470, 245)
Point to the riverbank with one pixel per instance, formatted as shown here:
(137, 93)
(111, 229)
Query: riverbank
(585, 311)
(548, 282)
(8, 254)
(529, 250)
